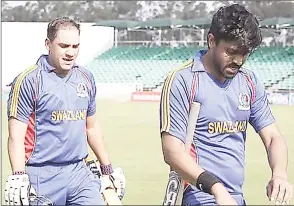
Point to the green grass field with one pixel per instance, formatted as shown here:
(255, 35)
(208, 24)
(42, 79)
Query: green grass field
(132, 139)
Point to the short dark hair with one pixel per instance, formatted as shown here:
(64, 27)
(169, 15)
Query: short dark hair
(58, 23)
(234, 23)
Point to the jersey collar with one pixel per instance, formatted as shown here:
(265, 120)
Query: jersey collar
(198, 64)
(43, 63)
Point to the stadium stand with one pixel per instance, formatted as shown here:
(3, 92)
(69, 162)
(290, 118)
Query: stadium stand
(149, 65)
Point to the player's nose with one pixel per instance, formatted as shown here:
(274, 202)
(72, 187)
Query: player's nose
(238, 60)
(69, 55)
(70, 52)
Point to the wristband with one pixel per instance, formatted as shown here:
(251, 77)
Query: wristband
(205, 182)
(106, 169)
(18, 173)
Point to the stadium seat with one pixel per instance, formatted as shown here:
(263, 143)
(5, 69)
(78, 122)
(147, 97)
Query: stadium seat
(150, 65)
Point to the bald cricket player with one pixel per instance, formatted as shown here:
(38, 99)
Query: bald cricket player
(230, 97)
(52, 120)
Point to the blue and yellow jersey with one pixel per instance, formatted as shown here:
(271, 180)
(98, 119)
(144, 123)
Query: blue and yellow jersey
(226, 109)
(55, 109)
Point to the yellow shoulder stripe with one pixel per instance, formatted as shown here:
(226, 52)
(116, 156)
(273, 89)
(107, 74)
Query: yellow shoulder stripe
(165, 102)
(16, 89)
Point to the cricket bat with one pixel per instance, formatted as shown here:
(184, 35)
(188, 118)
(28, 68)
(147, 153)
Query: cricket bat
(175, 186)
(109, 195)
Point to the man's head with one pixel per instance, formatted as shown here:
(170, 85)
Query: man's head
(234, 33)
(62, 42)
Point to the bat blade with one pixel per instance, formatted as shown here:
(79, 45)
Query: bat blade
(111, 197)
(175, 186)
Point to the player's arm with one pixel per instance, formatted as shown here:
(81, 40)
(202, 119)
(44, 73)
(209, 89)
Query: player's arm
(276, 148)
(174, 112)
(96, 140)
(94, 131)
(263, 122)
(19, 109)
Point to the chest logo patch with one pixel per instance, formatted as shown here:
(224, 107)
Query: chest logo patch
(82, 90)
(244, 101)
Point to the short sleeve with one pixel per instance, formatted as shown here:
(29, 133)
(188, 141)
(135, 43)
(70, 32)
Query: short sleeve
(20, 102)
(261, 115)
(174, 107)
(92, 104)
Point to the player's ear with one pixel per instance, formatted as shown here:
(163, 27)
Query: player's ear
(47, 44)
(211, 40)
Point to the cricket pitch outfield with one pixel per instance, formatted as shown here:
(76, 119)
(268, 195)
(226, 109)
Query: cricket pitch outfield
(132, 139)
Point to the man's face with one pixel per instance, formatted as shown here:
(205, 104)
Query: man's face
(228, 58)
(64, 49)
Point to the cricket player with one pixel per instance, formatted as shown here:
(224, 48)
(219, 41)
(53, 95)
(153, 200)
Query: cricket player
(230, 97)
(52, 120)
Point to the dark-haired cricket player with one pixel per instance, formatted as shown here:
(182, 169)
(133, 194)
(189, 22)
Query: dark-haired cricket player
(231, 96)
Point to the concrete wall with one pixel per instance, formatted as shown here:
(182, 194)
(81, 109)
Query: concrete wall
(24, 42)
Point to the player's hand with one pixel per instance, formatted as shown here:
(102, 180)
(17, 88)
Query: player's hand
(18, 190)
(116, 181)
(222, 196)
(119, 181)
(279, 190)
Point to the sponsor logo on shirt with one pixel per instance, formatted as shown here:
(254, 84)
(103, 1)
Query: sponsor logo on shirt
(70, 115)
(223, 127)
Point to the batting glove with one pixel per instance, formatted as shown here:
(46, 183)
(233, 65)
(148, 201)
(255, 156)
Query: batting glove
(119, 181)
(116, 181)
(18, 190)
